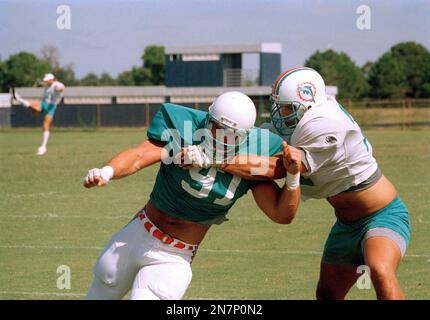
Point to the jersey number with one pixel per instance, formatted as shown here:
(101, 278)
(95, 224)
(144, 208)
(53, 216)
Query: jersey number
(207, 181)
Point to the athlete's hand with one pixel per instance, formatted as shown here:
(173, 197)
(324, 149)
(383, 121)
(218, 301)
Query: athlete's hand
(193, 156)
(98, 177)
(180, 159)
(59, 87)
(292, 158)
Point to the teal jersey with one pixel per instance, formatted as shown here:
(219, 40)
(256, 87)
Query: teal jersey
(200, 195)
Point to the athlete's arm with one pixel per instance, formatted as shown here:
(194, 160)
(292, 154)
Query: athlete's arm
(254, 167)
(126, 163)
(250, 167)
(280, 204)
(59, 87)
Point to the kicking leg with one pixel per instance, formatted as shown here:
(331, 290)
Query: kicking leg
(34, 105)
(336, 280)
(382, 256)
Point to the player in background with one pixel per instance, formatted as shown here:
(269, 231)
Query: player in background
(372, 224)
(52, 95)
(152, 254)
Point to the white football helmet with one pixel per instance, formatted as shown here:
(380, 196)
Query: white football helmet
(293, 93)
(235, 114)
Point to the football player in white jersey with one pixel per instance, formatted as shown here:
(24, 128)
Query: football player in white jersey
(372, 226)
(52, 95)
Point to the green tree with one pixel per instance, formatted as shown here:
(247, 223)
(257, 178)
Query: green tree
(65, 74)
(3, 75)
(125, 78)
(403, 71)
(106, 80)
(24, 70)
(366, 68)
(137, 76)
(90, 79)
(339, 70)
(150, 73)
(141, 76)
(154, 60)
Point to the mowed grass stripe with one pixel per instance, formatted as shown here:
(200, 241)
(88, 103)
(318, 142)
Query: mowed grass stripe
(302, 252)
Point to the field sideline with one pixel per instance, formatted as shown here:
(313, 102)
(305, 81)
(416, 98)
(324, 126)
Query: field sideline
(48, 219)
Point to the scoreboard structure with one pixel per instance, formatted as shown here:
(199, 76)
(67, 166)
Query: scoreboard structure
(221, 65)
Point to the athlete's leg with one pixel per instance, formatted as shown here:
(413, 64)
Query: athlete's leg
(336, 280)
(47, 123)
(100, 290)
(164, 281)
(338, 270)
(382, 256)
(117, 267)
(113, 273)
(34, 105)
(383, 246)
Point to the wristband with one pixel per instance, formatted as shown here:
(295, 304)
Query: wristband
(293, 180)
(106, 173)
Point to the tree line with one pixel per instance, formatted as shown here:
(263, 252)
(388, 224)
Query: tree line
(25, 69)
(401, 72)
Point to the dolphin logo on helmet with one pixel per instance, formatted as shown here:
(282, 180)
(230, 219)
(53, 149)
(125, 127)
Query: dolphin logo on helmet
(306, 91)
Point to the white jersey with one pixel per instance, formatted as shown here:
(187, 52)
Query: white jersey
(51, 95)
(335, 152)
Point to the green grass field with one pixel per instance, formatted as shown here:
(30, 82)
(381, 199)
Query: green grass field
(48, 219)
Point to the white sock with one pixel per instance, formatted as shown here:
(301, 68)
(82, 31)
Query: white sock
(45, 139)
(24, 102)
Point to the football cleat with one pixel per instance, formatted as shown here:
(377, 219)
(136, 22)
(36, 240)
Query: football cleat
(41, 151)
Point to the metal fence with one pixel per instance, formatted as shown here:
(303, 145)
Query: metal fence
(369, 113)
(93, 115)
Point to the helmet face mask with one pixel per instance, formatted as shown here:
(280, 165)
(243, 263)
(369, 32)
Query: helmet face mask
(286, 115)
(221, 138)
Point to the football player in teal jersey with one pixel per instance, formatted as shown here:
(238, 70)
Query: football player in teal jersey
(151, 255)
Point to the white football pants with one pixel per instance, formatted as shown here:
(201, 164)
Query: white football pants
(134, 259)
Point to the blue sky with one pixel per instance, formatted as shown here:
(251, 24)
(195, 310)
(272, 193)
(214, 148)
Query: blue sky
(109, 36)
